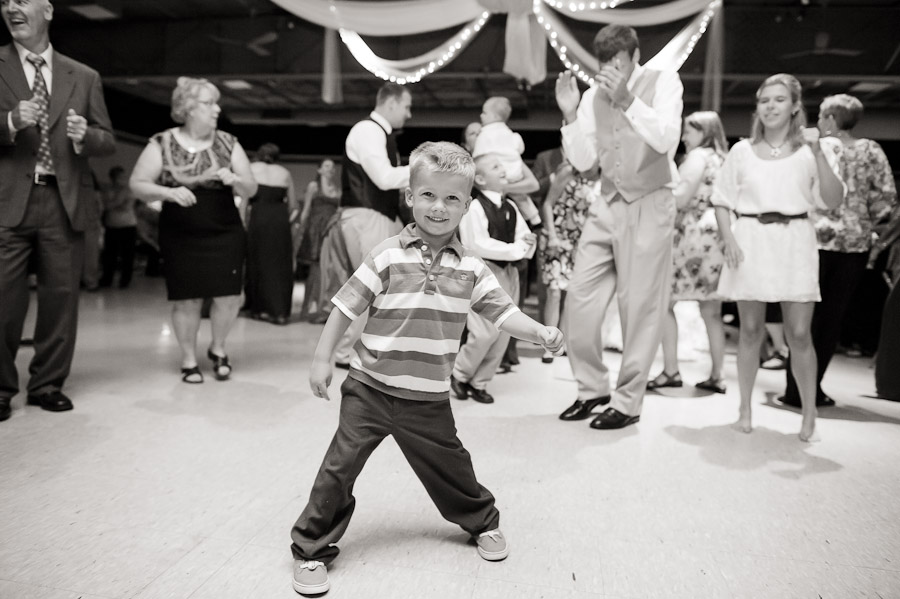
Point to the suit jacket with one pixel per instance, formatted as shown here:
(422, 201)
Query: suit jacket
(75, 86)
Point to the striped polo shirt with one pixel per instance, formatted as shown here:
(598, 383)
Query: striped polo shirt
(417, 298)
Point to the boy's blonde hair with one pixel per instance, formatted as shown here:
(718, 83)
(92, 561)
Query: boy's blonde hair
(441, 157)
(500, 106)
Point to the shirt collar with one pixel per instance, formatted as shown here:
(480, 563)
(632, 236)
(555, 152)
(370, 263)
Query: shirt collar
(410, 236)
(381, 121)
(495, 197)
(638, 70)
(47, 54)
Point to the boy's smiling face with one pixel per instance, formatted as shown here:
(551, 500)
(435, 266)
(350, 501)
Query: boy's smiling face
(438, 202)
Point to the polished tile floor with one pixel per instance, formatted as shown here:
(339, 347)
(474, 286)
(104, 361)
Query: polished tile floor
(155, 489)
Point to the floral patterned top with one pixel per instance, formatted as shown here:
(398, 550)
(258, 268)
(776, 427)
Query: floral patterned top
(194, 169)
(871, 194)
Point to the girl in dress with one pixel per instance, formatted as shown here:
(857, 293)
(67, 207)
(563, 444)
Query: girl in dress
(697, 253)
(564, 211)
(323, 195)
(770, 183)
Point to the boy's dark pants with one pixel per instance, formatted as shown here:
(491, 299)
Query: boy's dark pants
(426, 434)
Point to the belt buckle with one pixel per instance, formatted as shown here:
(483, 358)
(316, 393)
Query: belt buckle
(768, 218)
(38, 180)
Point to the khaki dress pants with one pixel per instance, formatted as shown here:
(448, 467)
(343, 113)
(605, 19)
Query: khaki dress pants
(625, 251)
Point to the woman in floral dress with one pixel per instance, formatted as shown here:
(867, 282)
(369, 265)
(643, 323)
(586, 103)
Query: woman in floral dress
(697, 251)
(564, 211)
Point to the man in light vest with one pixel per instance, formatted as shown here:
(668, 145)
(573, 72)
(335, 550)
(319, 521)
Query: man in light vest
(371, 180)
(630, 123)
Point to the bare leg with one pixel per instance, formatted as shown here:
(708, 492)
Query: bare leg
(797, 321)
(711, 312)
(753, 319)
(670, 341)
(222, 315)
(776, 334)
(186, 321)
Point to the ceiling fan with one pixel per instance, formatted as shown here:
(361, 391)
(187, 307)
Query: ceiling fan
(256, 45)
(821, 48)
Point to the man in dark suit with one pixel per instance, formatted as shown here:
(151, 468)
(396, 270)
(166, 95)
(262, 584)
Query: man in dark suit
(52, 118)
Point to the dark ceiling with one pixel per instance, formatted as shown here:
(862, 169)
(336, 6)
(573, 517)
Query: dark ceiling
(831, 45)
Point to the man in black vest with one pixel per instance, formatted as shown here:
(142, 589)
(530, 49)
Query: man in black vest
(371, 177)
(494, 230)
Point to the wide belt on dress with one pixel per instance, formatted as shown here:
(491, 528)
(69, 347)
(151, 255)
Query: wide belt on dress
(768, 218)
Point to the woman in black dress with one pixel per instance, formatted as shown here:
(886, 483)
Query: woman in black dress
(270, 261)
(196, 171)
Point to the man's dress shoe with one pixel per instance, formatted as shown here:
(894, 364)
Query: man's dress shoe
(613, 418)
(55, 401)
(480, 395)
(5, 410)
(582, 409)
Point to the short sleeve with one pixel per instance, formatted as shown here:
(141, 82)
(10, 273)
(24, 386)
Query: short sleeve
(360, 290)
(489, 300)
(881, 190)
(727, 186)
(832, 150)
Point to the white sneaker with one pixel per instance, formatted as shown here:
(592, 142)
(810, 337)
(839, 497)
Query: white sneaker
(310, 577)
(492, 545)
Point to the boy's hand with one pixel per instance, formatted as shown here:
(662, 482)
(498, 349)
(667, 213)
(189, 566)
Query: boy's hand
(320, 378)
(530, 239)
(552, 340)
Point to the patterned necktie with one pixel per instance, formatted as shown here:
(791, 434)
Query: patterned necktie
(42, 97)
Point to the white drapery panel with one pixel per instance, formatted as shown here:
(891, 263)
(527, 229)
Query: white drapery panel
(410, 70)
(396, 17)
(528, 22)
(635, 17)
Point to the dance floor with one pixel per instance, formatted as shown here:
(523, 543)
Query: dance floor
(152, 488)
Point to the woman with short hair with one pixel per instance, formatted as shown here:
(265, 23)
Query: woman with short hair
(196, 170)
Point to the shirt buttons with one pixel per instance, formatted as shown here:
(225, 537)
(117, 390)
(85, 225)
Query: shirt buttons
(424, 248)
(427, 260)
(430, 277)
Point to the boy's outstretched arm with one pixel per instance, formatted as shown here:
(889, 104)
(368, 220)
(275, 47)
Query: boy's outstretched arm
(521, 326)
(321, 369)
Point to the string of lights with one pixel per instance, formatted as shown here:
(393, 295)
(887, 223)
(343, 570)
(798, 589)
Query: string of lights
(570, 52)
(585, 66)
(412, 70)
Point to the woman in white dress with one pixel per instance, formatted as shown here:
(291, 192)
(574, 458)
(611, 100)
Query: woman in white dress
(770, 183)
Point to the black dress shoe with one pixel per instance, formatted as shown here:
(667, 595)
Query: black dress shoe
(480, 395)
(582, 409)
(55, 401)
(613, 418)
(5, 410)
(459, 388)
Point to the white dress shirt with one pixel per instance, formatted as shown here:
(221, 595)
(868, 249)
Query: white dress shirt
(366, 145)
(473, 232)
(659, 125)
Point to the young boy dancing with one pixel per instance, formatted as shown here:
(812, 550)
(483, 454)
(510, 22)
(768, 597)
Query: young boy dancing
(418, 288)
